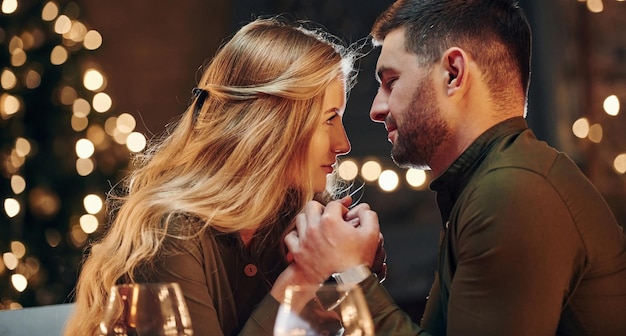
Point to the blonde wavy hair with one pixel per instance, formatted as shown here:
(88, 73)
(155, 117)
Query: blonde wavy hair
(236, 164)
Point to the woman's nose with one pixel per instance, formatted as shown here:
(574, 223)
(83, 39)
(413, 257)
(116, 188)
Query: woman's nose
(342, 143)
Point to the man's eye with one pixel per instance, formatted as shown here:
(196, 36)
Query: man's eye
(389, 84)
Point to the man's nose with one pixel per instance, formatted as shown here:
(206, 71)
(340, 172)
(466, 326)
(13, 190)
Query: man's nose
(379, 109)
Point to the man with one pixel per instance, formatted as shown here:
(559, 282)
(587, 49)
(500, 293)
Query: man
(528, 245)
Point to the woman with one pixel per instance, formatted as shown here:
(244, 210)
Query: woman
(208, 205)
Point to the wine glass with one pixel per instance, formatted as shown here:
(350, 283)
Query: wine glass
(326, 310)
(146, 309)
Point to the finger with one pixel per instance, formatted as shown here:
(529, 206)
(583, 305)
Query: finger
(292, 241)
(336, 208)
(368, 219)
(346, 201)
(354, 211)
(312, 212)
(300, 223)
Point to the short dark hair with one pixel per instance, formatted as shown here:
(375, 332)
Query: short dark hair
(495, 32)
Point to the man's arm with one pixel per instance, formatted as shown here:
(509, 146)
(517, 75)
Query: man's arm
(516, 250)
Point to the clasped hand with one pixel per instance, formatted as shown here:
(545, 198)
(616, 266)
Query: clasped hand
(333, 238)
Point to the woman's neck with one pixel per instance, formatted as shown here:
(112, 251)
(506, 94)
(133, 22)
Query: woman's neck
(246, 236)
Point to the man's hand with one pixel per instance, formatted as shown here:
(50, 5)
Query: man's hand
(333, 238)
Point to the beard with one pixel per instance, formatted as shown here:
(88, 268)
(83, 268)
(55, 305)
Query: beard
(422, 131)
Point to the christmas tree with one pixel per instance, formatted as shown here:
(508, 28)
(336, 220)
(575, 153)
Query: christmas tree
(62, 148)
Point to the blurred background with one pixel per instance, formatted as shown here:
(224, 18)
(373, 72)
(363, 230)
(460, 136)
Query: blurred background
(84, 84)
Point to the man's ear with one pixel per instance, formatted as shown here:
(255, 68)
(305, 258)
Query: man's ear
(455, 63)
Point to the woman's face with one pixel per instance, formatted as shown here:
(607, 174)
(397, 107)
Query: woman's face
(329, 138)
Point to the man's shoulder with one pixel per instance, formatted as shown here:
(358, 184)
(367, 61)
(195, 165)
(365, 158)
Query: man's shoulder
(523, 151)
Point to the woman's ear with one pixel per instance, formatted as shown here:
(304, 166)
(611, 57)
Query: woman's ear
(455, 63)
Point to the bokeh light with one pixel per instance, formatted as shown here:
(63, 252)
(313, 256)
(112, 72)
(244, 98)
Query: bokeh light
(371, 170)
(611, 105)
(126, 123)
(18, 249)
(581, 128)
(84, 148)
(7, 79)
(9, 105)
(595, 133)
(136, 142)
(9, 6)
(93, 40)
(102, 102)
(19, 282)
(595, 6)
(11, 207)
(416, 177)
(89, 224)
(10, 260)
(84, 166)
(62, 25)
(92, 203)
(348, 170)
(50, 11)
(388, 180)
(619, 164)
(58, 55)
(18, 184)
(93, 80)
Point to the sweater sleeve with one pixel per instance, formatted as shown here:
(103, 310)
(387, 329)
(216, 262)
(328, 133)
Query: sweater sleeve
(388, 318)
(186, 266)
(261, 322)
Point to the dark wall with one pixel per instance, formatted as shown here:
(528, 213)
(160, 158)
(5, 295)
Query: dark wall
(152, 50)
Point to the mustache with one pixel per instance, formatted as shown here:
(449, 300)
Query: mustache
(390, 122)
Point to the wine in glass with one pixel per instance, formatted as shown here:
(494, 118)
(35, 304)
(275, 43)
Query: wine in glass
(146, 309)
(326, 310)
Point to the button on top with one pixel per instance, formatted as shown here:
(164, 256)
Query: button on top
(250, 270)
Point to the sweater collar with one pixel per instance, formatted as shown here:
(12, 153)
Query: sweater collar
(452, 181)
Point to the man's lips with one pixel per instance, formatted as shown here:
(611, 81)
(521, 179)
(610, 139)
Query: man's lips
(392, 132)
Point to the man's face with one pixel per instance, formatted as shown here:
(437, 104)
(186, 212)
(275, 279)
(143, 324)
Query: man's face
(407, 103)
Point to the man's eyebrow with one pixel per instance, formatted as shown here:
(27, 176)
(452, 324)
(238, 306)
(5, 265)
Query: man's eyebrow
(380, 71)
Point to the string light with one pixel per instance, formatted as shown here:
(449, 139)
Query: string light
(48, 93)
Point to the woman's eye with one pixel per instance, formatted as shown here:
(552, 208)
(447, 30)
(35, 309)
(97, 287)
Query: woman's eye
(330, 120)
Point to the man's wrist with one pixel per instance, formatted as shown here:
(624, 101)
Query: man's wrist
(352, 275)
